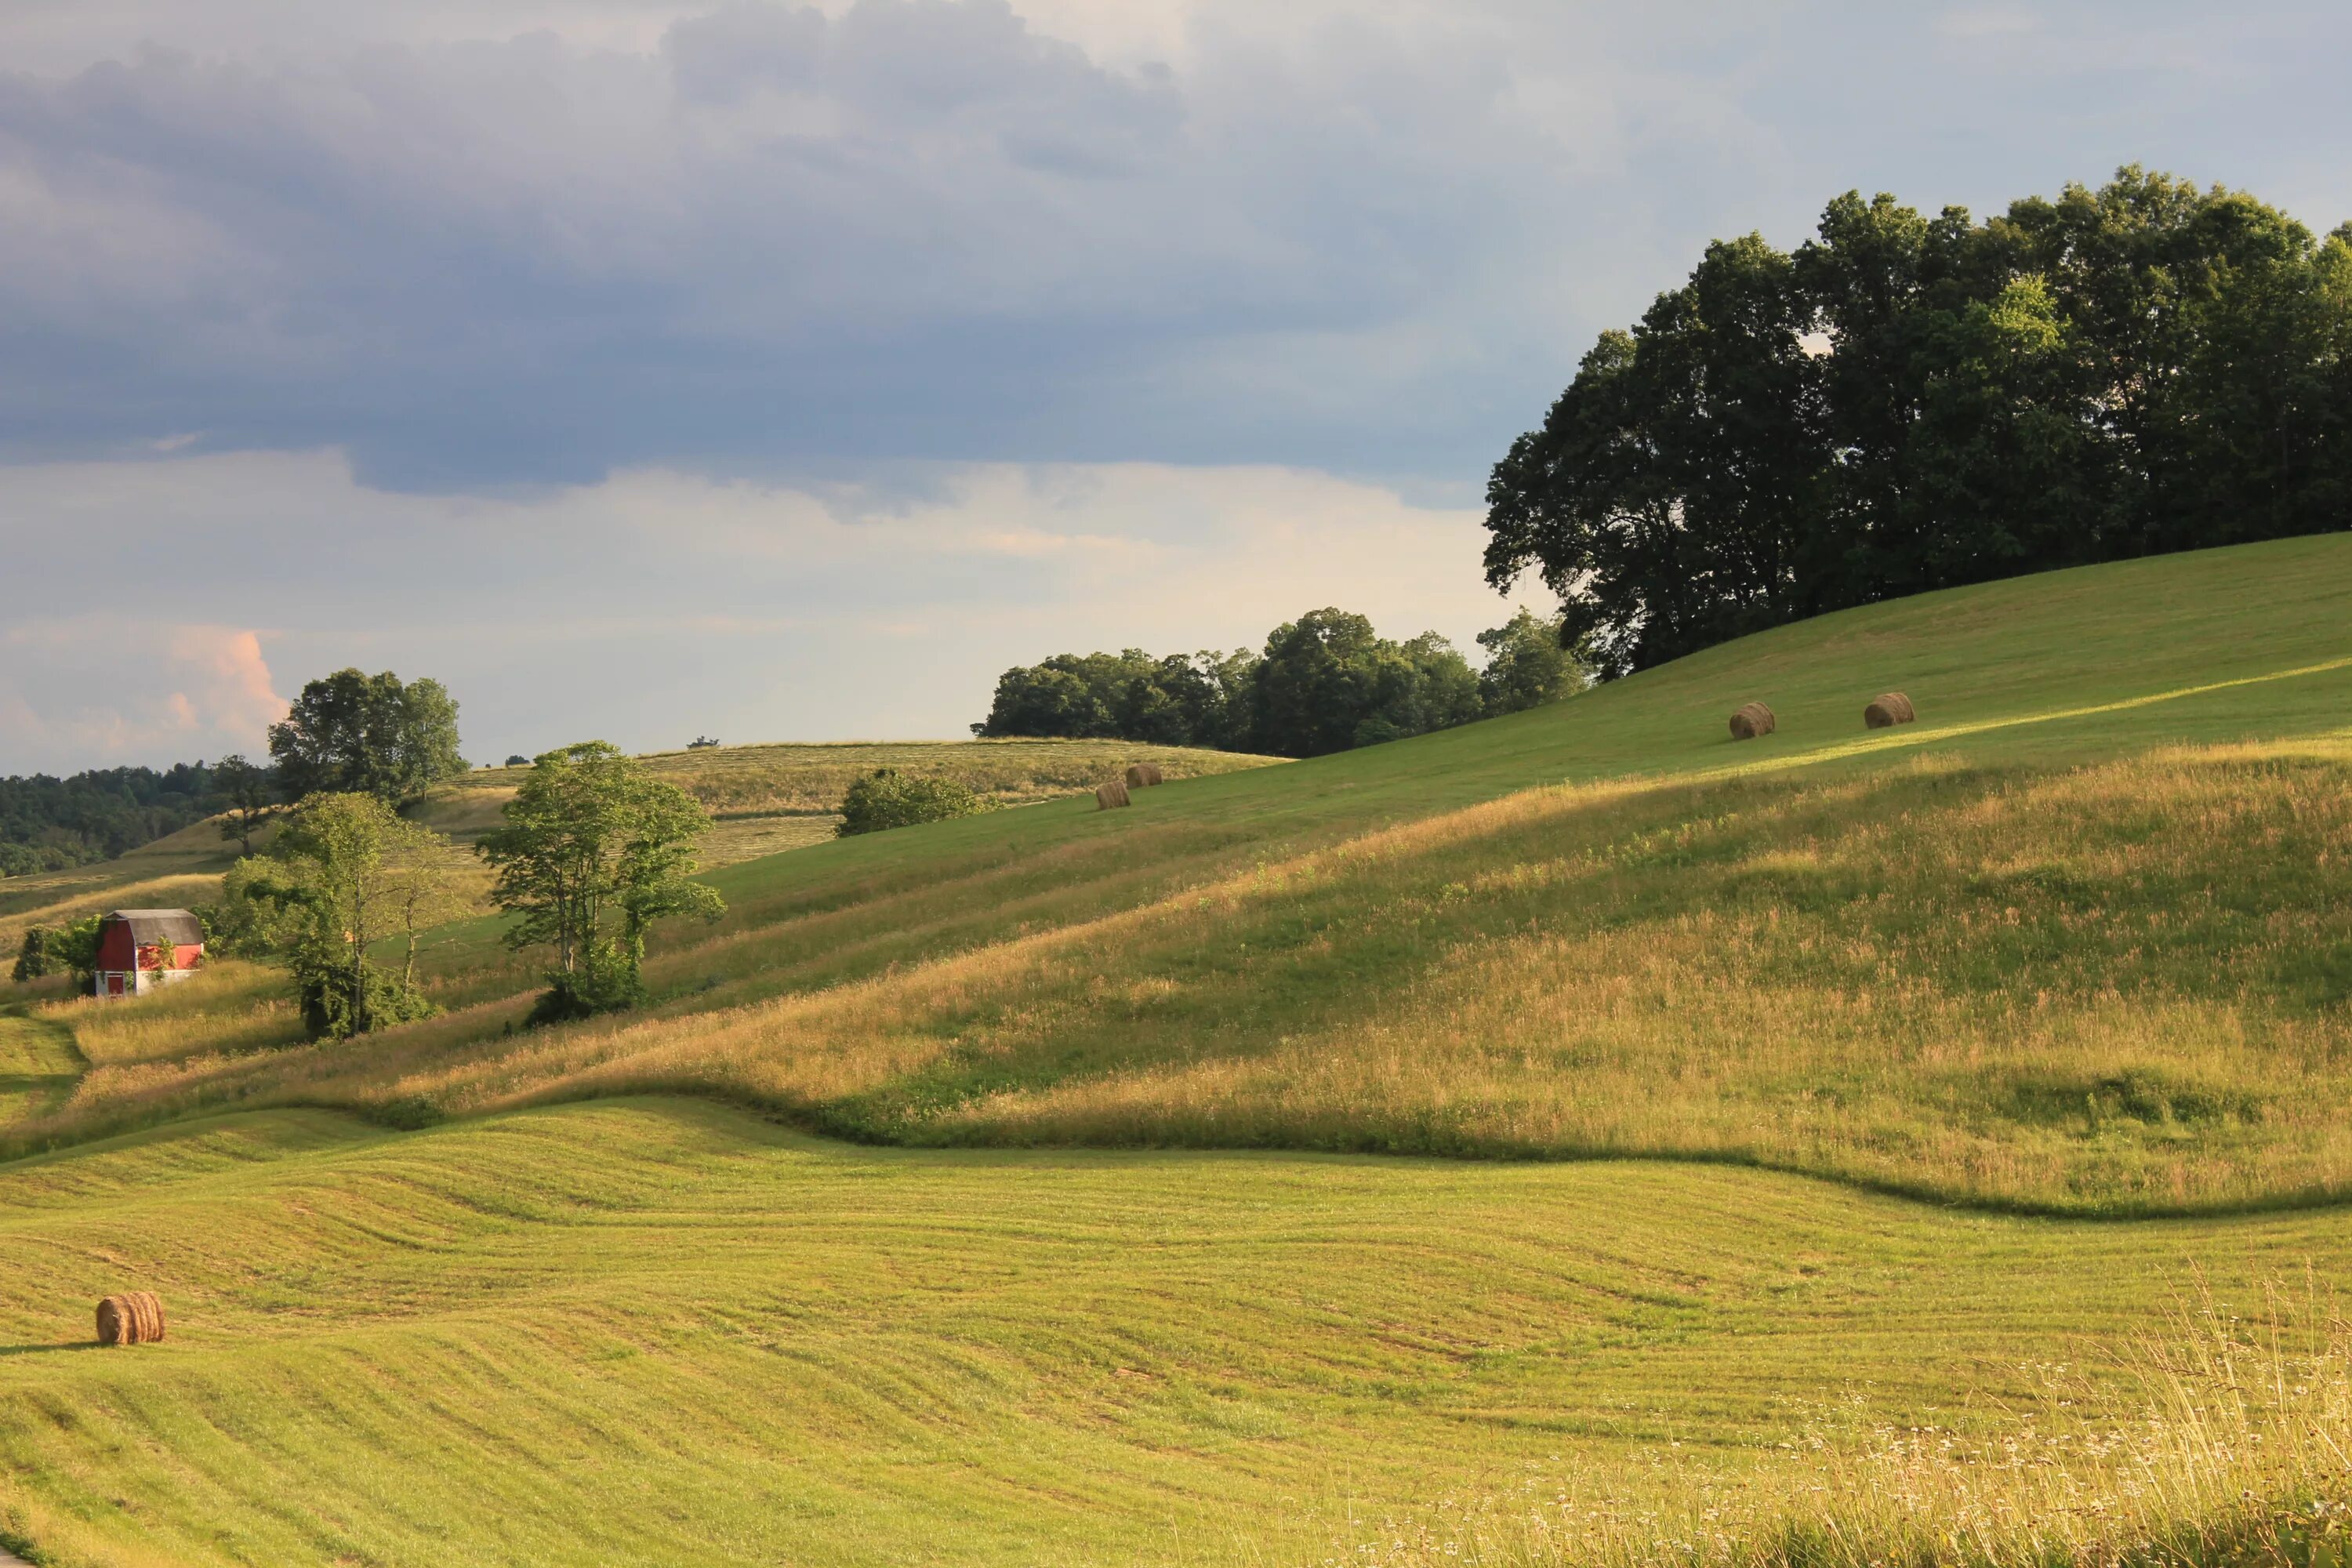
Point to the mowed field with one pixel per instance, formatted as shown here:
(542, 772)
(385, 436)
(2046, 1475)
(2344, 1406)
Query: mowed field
(1699, 1022)
(667, 1332)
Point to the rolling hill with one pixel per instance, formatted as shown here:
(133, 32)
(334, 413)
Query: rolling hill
(2071, 956)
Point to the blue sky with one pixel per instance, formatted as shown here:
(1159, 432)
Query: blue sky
(644, 369)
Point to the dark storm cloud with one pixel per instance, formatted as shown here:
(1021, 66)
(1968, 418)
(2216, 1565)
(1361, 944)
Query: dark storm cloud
(918, 229)
(1374, 241)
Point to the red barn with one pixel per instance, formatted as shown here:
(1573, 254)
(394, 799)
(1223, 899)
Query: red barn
(139, 949)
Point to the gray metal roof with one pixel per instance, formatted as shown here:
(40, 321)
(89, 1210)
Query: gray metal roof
(177, 927)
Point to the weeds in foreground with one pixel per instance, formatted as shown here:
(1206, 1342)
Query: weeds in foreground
(2239, 1453)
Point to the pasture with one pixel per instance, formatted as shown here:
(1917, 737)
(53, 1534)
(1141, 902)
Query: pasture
(1128, 1246)
(665, 1332)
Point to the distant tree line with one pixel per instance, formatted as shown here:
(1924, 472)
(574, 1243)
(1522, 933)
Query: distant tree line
(48, 824)
(1325, 682)
(1909, 403)
(346, 733)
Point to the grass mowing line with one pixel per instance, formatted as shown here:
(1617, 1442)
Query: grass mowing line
(38, 1063)
(666, 1331)
(1913, 735)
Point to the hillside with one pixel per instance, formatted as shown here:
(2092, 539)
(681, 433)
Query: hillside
(666, 1332)
(765, 798)
(2074, 943)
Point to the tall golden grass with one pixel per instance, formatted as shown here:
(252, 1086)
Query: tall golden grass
(2103, 988)
(2240, 1451)
(227, 1007)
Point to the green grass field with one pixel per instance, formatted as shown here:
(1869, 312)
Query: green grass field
(665, 1332)
(1710, 1018)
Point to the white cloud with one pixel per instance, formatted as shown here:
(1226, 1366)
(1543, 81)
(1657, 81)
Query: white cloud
(658, 603)
(97, 690)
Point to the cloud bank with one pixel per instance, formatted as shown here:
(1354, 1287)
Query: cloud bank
(1358, 240)
(646, 365)
(656, 603)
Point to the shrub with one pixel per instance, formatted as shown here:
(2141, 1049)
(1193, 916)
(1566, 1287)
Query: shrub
(605, 981)
(32, 958)
(888, 798)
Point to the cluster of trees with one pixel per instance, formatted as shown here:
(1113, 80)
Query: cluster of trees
(887, 798)
(1909, 403)
(48, 824)
(1325, 682)
(593, 852)
(346, 733)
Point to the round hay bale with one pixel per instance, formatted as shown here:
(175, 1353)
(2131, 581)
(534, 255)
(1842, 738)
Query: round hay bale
(1888, 708)
(133, 1317)
(1110, 794)
(1143, 775)
(1753, 718)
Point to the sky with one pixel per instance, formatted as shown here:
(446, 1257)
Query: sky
(643, 369)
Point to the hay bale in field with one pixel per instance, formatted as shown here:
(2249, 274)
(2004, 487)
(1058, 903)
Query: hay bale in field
(1888, 708)
(1753, 718)
(133, 1317)
(1143, 775)
(1110, 794)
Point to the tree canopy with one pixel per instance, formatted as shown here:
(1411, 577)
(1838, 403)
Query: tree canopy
(1325, 682)
(48, 824)
(1909, 403)
(345, 874)
(887, 798)
(594, 850)
(369, 734)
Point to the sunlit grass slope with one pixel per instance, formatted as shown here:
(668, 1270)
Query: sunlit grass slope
(2077, 941)
(182, 867)
(766, 798)
(665, 1332)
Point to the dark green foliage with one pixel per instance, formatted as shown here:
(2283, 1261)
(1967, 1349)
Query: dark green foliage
(1910, 402)
(49, 824)
(593, 852)
(1527, 666)
(367, 735)
(1327, 682)
(1197, 700)
(71, 949)
(888, 798)
(247, 797)
(339, 1001)
(518, 761)
(346, 874)
(32, 955)
(606, 980)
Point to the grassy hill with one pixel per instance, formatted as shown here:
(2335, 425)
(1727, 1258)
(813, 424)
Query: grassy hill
(764, 798)
(666, 1332)
(2075, 940)
(2077, 943)
(767, 798)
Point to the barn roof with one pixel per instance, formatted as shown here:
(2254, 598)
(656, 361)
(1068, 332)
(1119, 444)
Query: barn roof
(177, 927)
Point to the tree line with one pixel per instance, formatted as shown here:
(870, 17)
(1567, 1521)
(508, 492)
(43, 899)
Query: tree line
(372, 734)
(48, 824)
(1908, 403)
(1325, 682)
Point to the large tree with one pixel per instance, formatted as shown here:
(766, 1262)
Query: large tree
(370, 735)
(593, 852)
(1909, 403)
(248, 796)
(346, 873)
